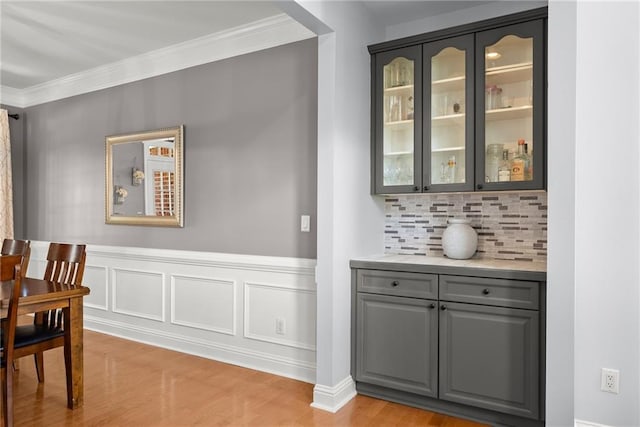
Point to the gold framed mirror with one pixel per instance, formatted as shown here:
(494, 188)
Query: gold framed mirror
(144, 178)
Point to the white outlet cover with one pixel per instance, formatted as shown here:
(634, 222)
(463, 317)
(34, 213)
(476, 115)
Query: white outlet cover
(610, 380)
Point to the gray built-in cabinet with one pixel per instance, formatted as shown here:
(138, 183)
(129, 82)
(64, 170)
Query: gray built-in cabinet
(461, 109)
(467, 342)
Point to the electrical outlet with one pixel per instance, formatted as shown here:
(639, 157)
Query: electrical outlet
(280, 326)
(610, 380)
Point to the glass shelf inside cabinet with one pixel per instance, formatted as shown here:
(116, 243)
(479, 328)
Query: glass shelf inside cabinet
(398, 127)
(509, 113)
(509, 73)
(448, 84)
(509, 110)
(448, 120)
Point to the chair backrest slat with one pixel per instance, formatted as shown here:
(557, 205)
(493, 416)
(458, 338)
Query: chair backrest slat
(65, 263)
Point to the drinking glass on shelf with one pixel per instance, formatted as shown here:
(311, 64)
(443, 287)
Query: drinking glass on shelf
(443, 173)
(494, 97)
(409, 108)
(444, 109)
(391, 75)
(493, 159)
(402, 74)
(394, 108)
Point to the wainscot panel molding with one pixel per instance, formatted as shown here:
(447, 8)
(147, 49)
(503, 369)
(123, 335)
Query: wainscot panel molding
(209, 298)
(265, 302)
(138, 293)
(219, 313)
(262, 34)
(97, 276)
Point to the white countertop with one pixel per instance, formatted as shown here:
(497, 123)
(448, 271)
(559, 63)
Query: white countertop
(491, 264)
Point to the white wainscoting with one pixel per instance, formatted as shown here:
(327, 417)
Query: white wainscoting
(219, 306)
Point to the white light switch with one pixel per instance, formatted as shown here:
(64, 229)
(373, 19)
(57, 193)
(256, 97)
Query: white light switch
(305, 223)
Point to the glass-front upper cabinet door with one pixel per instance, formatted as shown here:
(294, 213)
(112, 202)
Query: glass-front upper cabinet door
(510, 120)
(448, 124)
(398, 112)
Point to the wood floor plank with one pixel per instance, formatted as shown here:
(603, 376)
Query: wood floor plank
(133, 384)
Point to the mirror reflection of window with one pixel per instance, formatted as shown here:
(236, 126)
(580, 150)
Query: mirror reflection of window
(163, 193)
(159, 164)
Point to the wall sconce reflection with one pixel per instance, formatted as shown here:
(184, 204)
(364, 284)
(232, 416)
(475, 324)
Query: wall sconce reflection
(119, 194)
(137, 176)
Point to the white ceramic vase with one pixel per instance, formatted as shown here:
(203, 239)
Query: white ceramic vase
(459, 240)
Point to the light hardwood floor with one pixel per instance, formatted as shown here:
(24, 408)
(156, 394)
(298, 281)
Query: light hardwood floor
(132, 384)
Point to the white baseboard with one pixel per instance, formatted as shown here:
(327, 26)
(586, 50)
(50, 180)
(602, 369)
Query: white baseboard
(331, 399)
(580, 423)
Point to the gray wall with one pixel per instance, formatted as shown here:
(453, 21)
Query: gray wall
(16, 132)
(250, 155)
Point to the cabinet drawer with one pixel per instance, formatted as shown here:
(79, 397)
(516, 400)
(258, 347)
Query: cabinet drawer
(416, 285)
(497, 292)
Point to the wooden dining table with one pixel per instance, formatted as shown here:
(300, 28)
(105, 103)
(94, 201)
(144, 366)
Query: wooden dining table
(41, 295)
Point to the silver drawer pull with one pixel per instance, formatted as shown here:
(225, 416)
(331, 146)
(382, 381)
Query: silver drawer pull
(395, 283)
(485, 292)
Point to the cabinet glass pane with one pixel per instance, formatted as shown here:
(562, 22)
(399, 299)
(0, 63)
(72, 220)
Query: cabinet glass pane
(398, 101)
(448, 85)
(509, 101)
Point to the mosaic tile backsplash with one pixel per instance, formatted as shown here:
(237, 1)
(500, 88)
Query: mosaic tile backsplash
(509, 225)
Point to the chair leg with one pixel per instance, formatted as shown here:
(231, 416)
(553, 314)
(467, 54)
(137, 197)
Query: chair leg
(39, 358)
(7, 396)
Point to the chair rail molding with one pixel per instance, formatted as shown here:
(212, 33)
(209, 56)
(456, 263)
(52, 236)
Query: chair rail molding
(225, 307)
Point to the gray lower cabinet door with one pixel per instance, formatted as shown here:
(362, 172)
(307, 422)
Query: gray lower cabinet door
(397, 343)
(489, 357)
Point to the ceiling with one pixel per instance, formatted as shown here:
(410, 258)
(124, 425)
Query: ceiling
(398, 12)
(41, 41)
(46, 40)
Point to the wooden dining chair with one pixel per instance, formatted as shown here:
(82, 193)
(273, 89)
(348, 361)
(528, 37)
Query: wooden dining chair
(7, 264)
(8, 340)
(65, 264)
(17, 247)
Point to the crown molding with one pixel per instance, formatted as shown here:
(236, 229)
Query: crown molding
(11, 96)
(258, 35)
